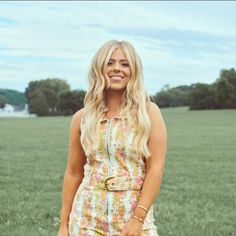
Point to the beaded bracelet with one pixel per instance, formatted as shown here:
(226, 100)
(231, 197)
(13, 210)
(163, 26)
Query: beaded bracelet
(142, 207)
(137, 218)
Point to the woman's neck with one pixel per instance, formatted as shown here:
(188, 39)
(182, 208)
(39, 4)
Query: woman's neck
(114, 101)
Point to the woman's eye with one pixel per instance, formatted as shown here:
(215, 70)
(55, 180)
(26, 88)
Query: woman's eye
(125, 64)
(109, 63)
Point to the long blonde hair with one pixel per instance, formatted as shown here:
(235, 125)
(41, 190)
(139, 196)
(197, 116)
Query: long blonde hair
(135, 98)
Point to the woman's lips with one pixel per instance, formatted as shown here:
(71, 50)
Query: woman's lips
(116, 77)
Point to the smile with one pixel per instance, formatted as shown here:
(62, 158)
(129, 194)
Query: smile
(116, 77)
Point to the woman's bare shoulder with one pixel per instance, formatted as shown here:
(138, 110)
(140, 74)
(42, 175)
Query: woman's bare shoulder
(76, 118)
(153, 110)
(79, 114)
(158, 129)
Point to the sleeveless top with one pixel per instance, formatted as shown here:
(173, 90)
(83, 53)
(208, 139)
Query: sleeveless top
(95, 206)
(116, 154)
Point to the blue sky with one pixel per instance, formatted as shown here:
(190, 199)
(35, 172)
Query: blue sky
(179, 42)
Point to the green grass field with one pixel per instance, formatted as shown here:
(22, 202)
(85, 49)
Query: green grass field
(197, 196)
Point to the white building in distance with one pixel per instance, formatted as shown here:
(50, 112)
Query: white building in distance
(10, 111)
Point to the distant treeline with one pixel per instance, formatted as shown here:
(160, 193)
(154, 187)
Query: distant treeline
(219, 95)
(12, 97)
(51, 97)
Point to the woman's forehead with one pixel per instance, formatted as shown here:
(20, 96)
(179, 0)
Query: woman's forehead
(118, 54)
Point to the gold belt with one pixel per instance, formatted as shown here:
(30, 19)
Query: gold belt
(119, 183)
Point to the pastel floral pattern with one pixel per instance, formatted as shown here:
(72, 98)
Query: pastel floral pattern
(96, 211)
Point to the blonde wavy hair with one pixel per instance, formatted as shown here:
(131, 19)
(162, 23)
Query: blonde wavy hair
(135, 99)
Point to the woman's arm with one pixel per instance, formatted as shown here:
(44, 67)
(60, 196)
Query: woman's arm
(157, 144)
(155, 166)
(75, 168)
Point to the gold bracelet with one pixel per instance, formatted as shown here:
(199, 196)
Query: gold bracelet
(137, 218)
(142, 207)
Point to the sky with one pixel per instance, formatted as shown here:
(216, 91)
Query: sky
(179, 42)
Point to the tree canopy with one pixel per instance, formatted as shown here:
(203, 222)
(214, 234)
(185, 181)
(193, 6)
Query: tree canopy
(12, 97)
(43, 96)
(71, 101)
(219, 95)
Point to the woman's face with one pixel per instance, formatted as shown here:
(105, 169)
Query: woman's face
(118, 70)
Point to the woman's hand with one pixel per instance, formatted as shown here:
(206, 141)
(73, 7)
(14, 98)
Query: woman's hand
(63, 231)
(133, 227)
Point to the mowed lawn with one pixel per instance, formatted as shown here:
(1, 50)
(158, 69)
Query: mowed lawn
(197, 196)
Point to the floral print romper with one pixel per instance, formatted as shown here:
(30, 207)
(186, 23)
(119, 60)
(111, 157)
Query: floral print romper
(111, 186)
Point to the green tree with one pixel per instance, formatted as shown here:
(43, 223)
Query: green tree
(13, 97)
(38, 103)
(71, 101)
(2, 102)
(172, 97)
(51, 90)
(226, 89)
(202, 97)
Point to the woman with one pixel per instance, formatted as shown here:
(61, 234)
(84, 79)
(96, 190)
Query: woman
(116, 153)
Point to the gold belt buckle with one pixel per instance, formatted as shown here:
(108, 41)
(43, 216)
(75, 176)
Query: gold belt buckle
(106, 184)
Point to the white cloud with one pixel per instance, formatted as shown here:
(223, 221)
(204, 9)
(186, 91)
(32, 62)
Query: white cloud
(67, 34)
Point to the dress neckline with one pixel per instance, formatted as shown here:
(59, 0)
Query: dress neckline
(117, 116)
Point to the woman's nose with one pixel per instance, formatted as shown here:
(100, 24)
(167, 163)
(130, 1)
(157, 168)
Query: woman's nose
(116, 67)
